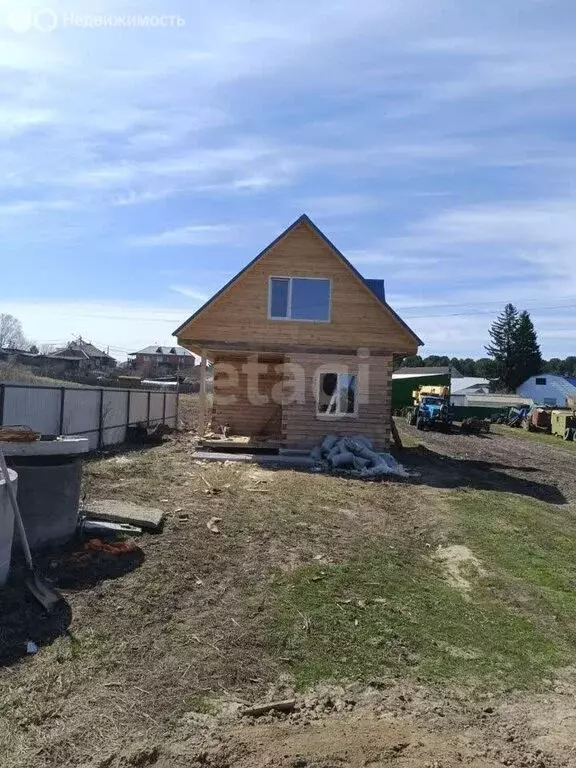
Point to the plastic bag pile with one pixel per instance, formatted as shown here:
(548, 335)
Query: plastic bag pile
(356, 456)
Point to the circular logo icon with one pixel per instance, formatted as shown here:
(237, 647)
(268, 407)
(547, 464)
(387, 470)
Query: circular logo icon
(42, 20)
(20, 20)
(45, 20)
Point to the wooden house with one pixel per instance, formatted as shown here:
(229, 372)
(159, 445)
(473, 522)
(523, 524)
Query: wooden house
(301, 345)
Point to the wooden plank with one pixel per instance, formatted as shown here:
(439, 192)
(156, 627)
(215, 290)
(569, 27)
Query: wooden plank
(216, 347)
(202, 403)
(396, 435)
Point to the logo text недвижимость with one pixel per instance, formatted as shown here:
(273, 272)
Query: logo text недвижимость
(46, 20)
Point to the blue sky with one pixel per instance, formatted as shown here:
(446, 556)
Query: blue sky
(432, 141)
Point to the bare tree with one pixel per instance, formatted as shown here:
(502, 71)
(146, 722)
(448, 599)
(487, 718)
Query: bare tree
(11, 334)
(47, 349)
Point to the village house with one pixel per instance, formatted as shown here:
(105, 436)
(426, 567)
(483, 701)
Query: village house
(302, 345)
(82, 356)
(155, 361)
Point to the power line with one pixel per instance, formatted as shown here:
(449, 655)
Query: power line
(486, 312)
(483, 303)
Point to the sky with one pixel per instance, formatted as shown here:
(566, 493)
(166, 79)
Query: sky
(143, 165)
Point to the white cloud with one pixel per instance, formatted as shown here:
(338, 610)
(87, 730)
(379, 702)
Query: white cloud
(195, 234)
(14, 121)
(33, 206)
(540, 234)
(191, 292)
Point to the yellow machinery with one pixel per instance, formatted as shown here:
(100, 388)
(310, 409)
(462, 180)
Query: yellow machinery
(430, 391)
(564, 421)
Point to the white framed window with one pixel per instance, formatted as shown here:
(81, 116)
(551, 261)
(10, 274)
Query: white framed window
(299, 298)
(337, 394)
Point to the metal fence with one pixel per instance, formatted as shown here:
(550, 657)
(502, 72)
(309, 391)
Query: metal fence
(102, 415)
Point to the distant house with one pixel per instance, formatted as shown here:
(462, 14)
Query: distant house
(163, 361)
(44, 364)
(441, 370)
(83, 356)
(11, 354)
(467, 386)
(549, 389)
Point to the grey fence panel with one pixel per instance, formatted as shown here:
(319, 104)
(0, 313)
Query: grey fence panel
(171, 409)
(114, 416)
(156, 408)
(101, 415)
(138, 407)
(82, 414)
(38, 409)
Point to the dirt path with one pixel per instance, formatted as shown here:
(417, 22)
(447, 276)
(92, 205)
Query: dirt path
(409, 727)
(493, 461)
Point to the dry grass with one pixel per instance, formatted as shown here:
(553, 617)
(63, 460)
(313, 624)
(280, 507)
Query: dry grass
(188, 410)
(193, 621)
(20, 374)
(310, 576)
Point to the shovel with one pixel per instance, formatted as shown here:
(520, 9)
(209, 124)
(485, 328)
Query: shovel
(45, 594)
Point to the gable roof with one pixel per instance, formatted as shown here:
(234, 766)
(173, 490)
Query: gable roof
(561, 380)
(156, 350)
(374, 289)
(442, 370)
(468, 382)
(80, 349)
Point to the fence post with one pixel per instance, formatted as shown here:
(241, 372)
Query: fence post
(164, 409)
(148, 414)
(2, 396)
(61, 420)
(101, 421)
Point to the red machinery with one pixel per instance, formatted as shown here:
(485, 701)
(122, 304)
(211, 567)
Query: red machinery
(538, 420)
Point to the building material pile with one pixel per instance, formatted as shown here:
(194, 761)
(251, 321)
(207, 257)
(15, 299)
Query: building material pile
(355, 455)
(18, 435)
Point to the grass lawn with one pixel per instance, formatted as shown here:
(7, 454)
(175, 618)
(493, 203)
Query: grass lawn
(389, 610)
(539, 437)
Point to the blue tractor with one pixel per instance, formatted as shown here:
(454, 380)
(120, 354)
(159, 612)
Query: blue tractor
(431, 409)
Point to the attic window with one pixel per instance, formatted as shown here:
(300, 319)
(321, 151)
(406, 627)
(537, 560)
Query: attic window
(159, 351)
(299, 298)
(172, 351)
(541, 381)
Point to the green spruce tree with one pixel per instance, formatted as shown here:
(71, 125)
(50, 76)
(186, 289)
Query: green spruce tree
(528, 359)
(502, 349)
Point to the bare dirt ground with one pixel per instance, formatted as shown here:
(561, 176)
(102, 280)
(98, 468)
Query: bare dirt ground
(493, 461)
(156, 653)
